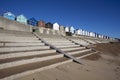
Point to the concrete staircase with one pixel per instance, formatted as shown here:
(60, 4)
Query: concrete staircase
(78, 40)
(66, 45)
(21, 53)
(86, 41)
(94, 40)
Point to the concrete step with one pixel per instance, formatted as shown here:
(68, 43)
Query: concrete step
(66, 42)
(15, 72)
(24, 44)
(14, 32)
(98, 41)
(16, 35)
(67, 46)
(56, 41)
(70, 49)
(8, 60)
(79, 40)
(24, 54)
(82, 43)
(91, 41)
(18, 38)
(62, 43)
(52, 38)
(79, 51)
(28, 61)
(1, 44)
(83, 53)
(13, 49)
(27, 69)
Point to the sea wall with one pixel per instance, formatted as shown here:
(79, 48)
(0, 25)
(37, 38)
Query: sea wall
(14, 25)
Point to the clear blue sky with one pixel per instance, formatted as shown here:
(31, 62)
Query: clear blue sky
(101, 16)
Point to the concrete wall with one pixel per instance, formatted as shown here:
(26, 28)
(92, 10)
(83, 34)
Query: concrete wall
(13, 25)
(50, 31)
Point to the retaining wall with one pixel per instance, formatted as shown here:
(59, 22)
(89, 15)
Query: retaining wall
(13, 25)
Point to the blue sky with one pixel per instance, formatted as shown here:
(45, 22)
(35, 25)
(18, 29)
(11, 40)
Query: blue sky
(101, 16)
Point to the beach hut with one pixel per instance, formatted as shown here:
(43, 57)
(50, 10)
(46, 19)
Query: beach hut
(72, 30)
(62, 28)
(49, 25)
(88, 33)
(83, 32)
(77, 31)
(32, 21)
(100, 36)
(56, 26)
(91, 34)
(21, 19)
(41, 23)
(67, 29)
(9, 15)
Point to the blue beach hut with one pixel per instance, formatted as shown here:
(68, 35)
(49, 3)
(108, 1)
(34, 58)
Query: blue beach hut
(32, 21)
(9, 15)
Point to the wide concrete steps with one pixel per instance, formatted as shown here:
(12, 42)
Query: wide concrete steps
(91, 41)
(18, 39)
(14, 49)
(56, 39)
(22, 44)
(17, 35)
(67, 46)
(1, 44)
(81, 42)
(20, 57)
(83, 53)
(98, 41)
(26, 54)
(14, 67)
(60, 41)
(28, 60)
(26, 69)
(56, 43)
(76, 50)
(72, 48)
(79, 51)
(51, 36)
(12, 32)
(78, 40)
(9, 60)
